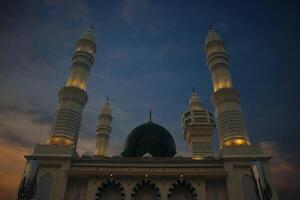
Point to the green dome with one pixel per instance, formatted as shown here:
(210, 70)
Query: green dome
(149, 138)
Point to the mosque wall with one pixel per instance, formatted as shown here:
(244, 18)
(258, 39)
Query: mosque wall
(164, 188)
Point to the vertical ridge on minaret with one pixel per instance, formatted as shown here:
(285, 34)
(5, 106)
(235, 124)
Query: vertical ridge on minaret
(225, 98)
(73, 97)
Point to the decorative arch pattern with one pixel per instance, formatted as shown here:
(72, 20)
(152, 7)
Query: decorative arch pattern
(142, 185)
(44, 187)
(110, 190)
(182, 187)
(248, 186)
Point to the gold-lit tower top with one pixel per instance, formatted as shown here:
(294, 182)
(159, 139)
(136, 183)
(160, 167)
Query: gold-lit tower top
(225, 98)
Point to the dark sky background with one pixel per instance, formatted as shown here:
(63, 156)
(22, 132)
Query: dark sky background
(150, 54)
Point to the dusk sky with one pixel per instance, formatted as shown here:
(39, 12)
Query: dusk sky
(150, 55)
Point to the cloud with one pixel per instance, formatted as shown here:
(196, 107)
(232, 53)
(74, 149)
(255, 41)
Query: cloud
(11, 168)
(23, 128)
(284, 169)
(74, 10)
(36, 114)
(130, 8)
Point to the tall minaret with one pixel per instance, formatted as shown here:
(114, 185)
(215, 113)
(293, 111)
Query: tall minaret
(198, 126)
(225, 98)
(73, 97)
(103, 129)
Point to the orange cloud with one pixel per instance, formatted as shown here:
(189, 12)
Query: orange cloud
(12, 163)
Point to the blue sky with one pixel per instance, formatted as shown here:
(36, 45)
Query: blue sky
(150, 55)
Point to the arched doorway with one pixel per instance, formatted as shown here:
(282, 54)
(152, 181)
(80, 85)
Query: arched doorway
(248, 186)
(182, 190)
(110, 190)
(145, 190)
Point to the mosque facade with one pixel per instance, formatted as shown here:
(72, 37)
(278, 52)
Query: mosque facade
(149, 167)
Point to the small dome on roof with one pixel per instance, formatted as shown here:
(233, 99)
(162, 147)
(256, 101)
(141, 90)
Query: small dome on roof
(177, 155)
(86, 155)
(149, 138)
(147, 155)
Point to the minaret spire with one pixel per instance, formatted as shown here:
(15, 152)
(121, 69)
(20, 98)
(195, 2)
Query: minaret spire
(103, 129)
(73, 97)
(225, 98)
(198, 126)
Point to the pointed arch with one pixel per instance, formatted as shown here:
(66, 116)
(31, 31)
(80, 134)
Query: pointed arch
(248, 186)
(145, 189)
(44, 187)
(181, 189)
(110, 190)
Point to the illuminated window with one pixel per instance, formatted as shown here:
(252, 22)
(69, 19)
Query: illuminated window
(60, 140)
(78, 77)
(236, 142)
(216, 49)
(85, 48)
(221, 79)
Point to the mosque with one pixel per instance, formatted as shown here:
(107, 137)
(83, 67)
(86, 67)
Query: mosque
(149, 167)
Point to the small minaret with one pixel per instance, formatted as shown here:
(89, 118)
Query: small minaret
(225, 98)
(73, 97)
(198, 126)
(103, 130)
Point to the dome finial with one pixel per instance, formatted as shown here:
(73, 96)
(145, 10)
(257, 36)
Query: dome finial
(107, 99)
(193, 89)
(91, 28)
(210, 27)
(150, 114)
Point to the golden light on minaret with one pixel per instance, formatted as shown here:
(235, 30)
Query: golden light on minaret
(229, 117)
(73, 97)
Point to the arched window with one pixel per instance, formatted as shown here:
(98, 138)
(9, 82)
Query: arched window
(145, 190)
(248, 187)
(182, 190)
(110, 190)
(44, 187)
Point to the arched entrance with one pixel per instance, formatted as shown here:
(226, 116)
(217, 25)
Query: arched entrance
(249, 186)
(145, 190)
(110, 190)
(182, 190)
